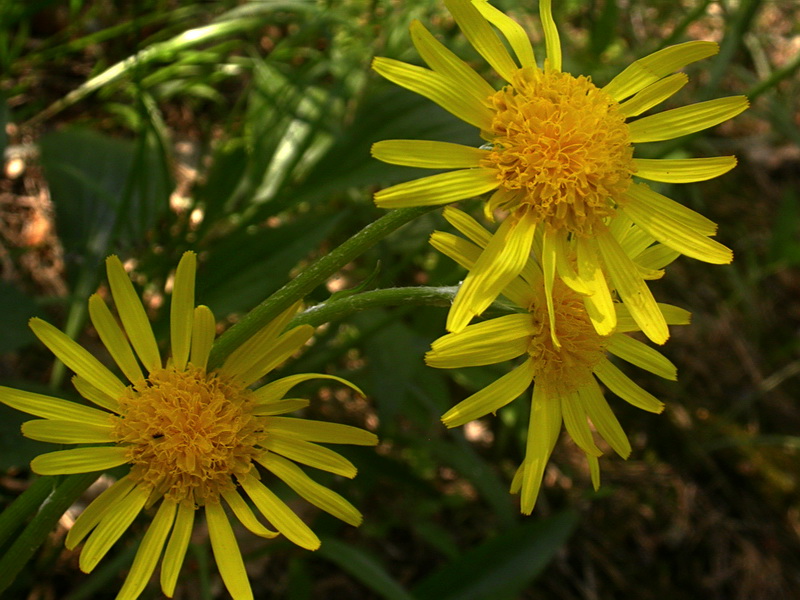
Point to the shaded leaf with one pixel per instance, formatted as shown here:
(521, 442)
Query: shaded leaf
(503, 566)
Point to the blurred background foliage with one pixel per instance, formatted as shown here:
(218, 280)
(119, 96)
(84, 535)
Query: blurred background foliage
(241, 130)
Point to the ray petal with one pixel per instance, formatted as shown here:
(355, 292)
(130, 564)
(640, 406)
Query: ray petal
(48, 407)
(482, 37)
(227, 554)
(641, 73)
(77, 358)
(500, 262)
(441, 188)
(491, 398)
(280, 515)
(681, 121)
(131, 313)
(441, 89)
(182, 310)
(149, 552)
(428, 154)
(316, 494)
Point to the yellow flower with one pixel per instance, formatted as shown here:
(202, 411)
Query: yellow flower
(564, 375)
(559, 158)
(192, 437)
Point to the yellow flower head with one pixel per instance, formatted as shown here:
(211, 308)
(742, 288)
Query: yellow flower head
(558, 158)
(192, 436)
(564, 356)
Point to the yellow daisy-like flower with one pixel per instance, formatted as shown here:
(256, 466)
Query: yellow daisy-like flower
(559, 158)
(192, 437)
(564, 376)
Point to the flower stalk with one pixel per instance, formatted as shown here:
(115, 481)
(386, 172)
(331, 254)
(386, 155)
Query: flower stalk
(311, 277)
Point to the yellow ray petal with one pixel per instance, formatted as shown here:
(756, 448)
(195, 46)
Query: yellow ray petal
(657, 256)
(309, 454)
(285, 346)
(481, 236)
(114, 339)
(320, 432)
(632, 289)
(564, 266)
(513, 32)
(276, 390)
(246, 516)
(621, 385)
(149, 552)
(674, 123)
(477, 30)
(661, 204)
(47, 407)
(551, 41)
(653, 95)
(477, 356)
(96, 510)
(77, 358)
(653, 67)
(113, 524)
(467, 254)
(227, 554)
(549, 271)
(438, 189)
(176, 548)
(280, 407)
(316, 494)
(487, 342)
(131, 313)
(79, 460)
(203, 331)
(280, 515)
(599, 304)
(439, 88)
(594, 470)
(595, 405)
(428, 154)
(258, 345)
(641, 355)
(577, 426)
(445, 62)
(677, 235)
(92, 394)
(467, 226)
(500, 262)
(66, 432)
(182, 310)
(683, 170)
(673, 315)
(543, 430)
(492, 397)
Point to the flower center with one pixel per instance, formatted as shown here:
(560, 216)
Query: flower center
(188, 432)
(564, 369)
(561, 148)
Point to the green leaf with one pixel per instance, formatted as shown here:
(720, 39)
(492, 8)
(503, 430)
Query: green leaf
(603, 28)
(364, 567)
(17, 451)
(91, 182)
(245, 268)
(16, 308)
(503, 566)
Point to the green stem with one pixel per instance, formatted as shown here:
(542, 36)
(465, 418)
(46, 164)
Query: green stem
(777, 76)
(28, 502)
(42, 524)
(309, 278)
(334, 310)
